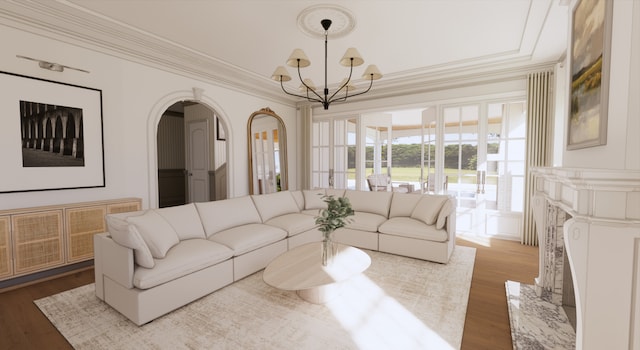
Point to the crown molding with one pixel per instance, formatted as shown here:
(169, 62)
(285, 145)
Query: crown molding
(64, 21)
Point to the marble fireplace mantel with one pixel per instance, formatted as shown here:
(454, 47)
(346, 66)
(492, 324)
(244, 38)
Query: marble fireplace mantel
(601, 239)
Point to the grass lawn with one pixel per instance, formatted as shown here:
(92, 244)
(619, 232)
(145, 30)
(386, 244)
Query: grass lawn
(413, 174)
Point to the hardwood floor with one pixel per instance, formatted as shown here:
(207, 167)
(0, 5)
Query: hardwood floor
(487, 322)
(23, 326)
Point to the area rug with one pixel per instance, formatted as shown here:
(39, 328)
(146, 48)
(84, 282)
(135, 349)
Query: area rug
(398, 303)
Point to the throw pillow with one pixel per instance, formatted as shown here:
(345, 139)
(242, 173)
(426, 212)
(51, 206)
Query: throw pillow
(335, 192)
(275, 204)
(119, 232)
(217, 216)
(155, 231)
(428, 208)
(402, 204)
(447, 209)
(184, 219)
(313, 199)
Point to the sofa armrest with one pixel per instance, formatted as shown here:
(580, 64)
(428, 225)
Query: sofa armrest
(112, 260)
(451, 226)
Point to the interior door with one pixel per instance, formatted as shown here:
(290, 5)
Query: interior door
(198, 160)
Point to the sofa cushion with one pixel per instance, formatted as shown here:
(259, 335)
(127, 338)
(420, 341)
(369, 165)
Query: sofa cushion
(313, 199)
(336, 192)
(119, 231)
(402, 204)
(311, 212)
(428, 208)
(184, 219)
(364, 221)
(446, 210)
(299, 198)
(275, 204)
(370, 202)
(221, 215)
(245, 238)
(412, 228)
(294, 223)
(156, 232)
(184, 258)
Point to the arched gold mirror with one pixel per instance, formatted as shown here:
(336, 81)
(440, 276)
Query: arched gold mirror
(267, 147)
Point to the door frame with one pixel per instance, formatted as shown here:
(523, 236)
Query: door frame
(153, 120)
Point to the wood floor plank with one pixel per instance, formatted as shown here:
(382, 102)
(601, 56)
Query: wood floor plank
(487, 320)
(23, 326)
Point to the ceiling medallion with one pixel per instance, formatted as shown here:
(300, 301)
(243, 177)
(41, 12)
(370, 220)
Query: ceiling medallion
(343, 21)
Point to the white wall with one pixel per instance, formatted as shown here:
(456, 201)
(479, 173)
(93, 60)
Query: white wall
(133, 99)
(622, 150)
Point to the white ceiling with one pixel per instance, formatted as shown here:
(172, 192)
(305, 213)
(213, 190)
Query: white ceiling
(229, 40)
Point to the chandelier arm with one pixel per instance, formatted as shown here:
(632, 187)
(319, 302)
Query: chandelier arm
(310, 99)
(308, 88)
(343, 85)
(342, 99)
(327, 100)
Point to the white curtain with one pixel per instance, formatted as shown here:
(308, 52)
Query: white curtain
(304, 156)
(539, 142)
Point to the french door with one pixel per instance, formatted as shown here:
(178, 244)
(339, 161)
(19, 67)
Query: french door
(334, 149)
(476, 153)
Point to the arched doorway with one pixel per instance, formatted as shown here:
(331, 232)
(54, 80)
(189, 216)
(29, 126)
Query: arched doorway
(191, 155)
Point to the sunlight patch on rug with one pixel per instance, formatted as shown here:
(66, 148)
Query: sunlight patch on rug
(399, 303)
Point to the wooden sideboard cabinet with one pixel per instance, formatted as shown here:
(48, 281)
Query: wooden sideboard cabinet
(42, 238)
(6, 266)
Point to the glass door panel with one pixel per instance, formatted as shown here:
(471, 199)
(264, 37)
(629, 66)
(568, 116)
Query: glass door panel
(320, 154)
(377, 158)
(334, 153)
(461, 172)
(430, 180)
(344, 151)
(506, 135)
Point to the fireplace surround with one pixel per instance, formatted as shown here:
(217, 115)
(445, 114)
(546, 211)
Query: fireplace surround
(593, 217)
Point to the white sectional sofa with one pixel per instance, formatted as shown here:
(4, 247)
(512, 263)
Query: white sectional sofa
(154, 261)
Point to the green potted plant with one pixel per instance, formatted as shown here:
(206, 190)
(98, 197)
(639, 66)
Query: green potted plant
(330, 219)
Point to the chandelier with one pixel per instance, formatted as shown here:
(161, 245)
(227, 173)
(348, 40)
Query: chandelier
(351, 58)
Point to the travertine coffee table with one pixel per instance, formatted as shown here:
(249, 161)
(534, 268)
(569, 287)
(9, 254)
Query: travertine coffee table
(300, 269)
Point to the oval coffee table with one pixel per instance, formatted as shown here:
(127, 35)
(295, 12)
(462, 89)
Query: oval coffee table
(300, 269)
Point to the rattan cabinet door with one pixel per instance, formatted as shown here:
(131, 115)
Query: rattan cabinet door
(81, 224)
(123, 207)
(6, 262)
(37, 241)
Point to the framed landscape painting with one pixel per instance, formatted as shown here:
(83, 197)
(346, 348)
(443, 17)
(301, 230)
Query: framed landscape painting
(51, 135)
(589, 67)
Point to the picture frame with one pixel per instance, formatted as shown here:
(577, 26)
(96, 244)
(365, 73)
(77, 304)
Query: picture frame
(589, 69)
(220, 133)
(51, 134)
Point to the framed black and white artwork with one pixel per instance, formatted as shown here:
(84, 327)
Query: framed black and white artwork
(51, 135)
